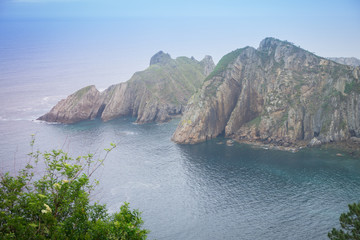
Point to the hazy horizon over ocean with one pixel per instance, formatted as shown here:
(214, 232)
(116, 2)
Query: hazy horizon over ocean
(203, 191)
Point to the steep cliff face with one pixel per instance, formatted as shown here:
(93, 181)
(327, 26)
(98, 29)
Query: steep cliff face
(156, 94)
(277, 94)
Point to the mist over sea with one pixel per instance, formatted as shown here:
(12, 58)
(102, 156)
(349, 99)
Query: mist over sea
(203, 191)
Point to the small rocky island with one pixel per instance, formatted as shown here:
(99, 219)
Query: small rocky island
(156, 94)
(277, 94)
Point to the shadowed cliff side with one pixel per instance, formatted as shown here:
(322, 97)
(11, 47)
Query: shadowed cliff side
(278, 94)
(156, 94)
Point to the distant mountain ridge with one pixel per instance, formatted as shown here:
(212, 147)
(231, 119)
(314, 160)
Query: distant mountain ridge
(156, 94)
(347, 61)
(278, 94)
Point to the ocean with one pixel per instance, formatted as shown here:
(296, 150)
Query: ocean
(203, 191)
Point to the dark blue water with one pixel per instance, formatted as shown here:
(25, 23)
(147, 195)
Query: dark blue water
(203, 191)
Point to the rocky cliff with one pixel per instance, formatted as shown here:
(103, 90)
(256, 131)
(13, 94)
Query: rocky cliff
(81, 105)
(278, 94)
(156, 94)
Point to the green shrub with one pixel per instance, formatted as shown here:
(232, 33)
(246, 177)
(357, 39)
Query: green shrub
(56, 205)
(350, 224)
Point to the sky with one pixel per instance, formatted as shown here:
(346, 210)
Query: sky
(196, 28)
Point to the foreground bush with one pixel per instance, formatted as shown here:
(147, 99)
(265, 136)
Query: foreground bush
(350, 225)
(56, 205)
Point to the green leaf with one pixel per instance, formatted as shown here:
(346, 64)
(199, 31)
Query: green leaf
(33, 225)
(42, 196)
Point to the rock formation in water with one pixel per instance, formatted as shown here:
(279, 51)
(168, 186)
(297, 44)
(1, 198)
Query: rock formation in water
(156, 94)
(83, 104)
(278, 94)
(347, 61)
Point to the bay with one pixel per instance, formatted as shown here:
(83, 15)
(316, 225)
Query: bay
(203, 191)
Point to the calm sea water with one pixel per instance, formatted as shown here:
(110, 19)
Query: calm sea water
(203, 191)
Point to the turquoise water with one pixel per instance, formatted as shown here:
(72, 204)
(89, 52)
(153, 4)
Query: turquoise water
(203, 191)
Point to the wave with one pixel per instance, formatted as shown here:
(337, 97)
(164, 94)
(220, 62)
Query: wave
(3, 119)
(52, 99)
(128, 133)
(44, 122)
(14, 119)
(30, 119)
(134, 185)
(26, 109)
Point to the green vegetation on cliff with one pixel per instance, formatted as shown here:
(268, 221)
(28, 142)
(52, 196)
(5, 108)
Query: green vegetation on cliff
(352, 87)
(224, 62)
(173, 81)
(80, 93)
(256, 121)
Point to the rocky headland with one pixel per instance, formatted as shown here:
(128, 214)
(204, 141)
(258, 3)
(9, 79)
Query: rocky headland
(279, 95)
(156, 94)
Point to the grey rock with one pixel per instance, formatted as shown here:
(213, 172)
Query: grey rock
(208, 65)
(355, 139)
(314, 142)
(278, 94)
(81, 105)
(160, 58)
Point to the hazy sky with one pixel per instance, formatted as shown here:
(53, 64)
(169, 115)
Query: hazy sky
(215, 27)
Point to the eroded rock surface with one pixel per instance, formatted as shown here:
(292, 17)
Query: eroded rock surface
(278, 94)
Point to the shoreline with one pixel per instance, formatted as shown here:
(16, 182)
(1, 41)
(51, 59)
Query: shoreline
(271, 146)
(351, 147)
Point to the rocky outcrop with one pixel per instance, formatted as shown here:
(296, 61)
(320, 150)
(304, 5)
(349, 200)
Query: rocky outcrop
(156, 94)
(160, 58)
(278, 94)
(208, 64)
(347, 61)
(81, 105)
